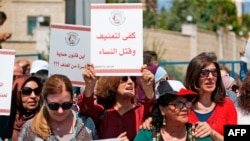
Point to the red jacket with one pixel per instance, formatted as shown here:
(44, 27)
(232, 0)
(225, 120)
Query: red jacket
(113, 124)
(223, 114)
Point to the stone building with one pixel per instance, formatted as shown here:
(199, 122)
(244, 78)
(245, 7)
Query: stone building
(29, 22)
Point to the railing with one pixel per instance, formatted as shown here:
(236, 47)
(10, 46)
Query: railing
(38, 55)
(232, 63)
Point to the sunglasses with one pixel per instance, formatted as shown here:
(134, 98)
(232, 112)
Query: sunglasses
(125, 78)
(28, 91)
(206, 72)
(55, 106)
(235, 88)
(180, 105)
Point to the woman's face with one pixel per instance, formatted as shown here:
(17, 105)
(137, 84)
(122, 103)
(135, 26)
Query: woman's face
(59, 105)
(177, 110)
(208, 79)
(127, 86)
(31, 94)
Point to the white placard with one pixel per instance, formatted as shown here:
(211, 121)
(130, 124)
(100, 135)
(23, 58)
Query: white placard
(7, 59)
(69, 51)
(117, 39)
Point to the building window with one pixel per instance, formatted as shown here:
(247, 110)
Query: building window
(37, 21)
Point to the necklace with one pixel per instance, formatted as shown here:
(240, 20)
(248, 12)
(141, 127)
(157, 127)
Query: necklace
(58, 129)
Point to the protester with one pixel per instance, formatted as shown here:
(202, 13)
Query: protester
(40, 68)
(6, 35)
(243, 108)
(148, 60)
(212, 109)
(56, 121)
(170, 114)
(25, 102)
(160, 75)
(229, 84)
(120, 115)
(154, 56)
(231, 94)
(18, 70)
(25, 64)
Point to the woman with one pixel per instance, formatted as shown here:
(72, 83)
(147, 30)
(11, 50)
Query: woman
(243, 108)
(170, 114)
(212, 109)
(55, 121)
(119, 115)
(26, 95)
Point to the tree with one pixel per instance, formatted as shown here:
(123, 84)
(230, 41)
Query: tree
(206, 14)
(245, 24)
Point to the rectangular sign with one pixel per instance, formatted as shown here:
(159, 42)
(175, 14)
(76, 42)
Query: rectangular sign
(236, 132)
(7, 59)
(69, 51)
(117, 39)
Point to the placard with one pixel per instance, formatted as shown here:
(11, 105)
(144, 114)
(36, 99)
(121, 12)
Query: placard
(7, 59)
(117, 39)
(69, 51)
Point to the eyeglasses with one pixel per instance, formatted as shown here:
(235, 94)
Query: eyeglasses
(55, 106)
(28, 91)
(125, 78)
(180, 105)
(205, 72)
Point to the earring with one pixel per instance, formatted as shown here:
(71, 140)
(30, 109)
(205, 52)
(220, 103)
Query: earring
(164, 122)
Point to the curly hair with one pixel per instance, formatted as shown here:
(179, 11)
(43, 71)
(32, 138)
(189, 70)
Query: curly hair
(244, 97)
(106, 90)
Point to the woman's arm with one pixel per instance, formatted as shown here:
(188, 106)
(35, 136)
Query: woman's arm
(147, 81)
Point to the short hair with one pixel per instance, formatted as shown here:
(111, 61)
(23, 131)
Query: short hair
(3, 15)
(152, 53)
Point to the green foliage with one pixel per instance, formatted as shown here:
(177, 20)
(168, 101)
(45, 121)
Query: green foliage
(149, 19)
(206, 14)
(245, 24)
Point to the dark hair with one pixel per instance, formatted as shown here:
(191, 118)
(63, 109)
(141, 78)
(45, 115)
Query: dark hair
(152, 53)
(193, 74)
(3, 15)
(209, 54)
(244, 97)
(42, 75)
(147, 59)
(18, 84)
(164, 100)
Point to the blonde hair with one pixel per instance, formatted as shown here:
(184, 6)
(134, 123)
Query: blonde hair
(40, 124)
(54, 84)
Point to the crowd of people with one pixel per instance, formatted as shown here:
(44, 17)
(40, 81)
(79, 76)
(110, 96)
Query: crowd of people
(125, 108)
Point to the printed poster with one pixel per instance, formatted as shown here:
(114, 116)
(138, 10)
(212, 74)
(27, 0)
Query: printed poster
(7, 59)
(117, 39)
(69, 51)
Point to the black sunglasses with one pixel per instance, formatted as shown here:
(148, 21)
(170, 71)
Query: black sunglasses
(28, 91)
(205, 72)
(56, 106)
(125, 78)
(180, 105)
